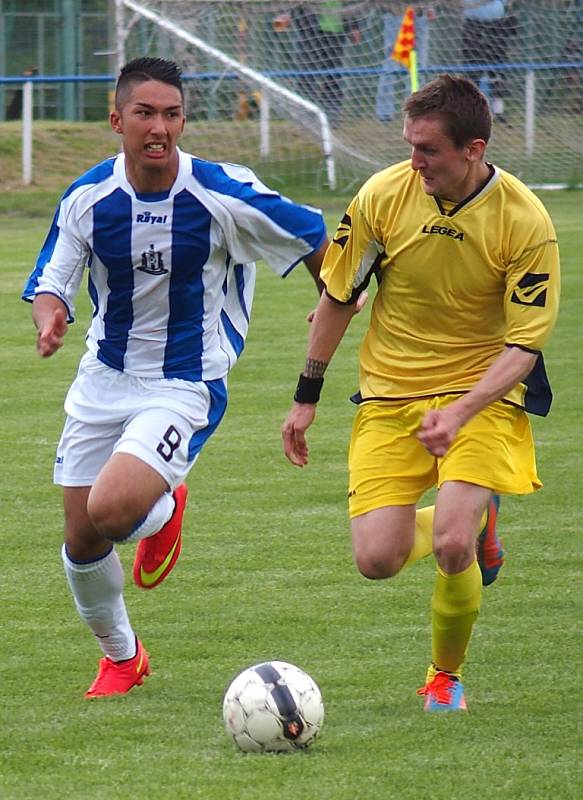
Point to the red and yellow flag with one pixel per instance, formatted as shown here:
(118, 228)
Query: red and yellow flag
(405, 41)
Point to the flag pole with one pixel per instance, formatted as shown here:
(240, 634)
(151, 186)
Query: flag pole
(404, 48)
(413, 71)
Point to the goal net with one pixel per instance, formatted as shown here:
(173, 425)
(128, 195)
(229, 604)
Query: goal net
(309, 92)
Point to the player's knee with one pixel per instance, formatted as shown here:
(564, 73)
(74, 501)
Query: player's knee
(452, 548)
(376, 566)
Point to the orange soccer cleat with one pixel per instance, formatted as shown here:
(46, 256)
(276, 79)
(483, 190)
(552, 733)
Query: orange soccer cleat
(118, 677)
(444, 693)
(489, 549)
(157, 554)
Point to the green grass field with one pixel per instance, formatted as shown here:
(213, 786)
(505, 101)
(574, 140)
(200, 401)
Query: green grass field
(266, 572)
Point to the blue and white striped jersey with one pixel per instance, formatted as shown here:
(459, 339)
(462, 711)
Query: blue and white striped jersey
(171, 275)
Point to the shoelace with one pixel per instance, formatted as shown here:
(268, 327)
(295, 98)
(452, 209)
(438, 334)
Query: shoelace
(440, 688)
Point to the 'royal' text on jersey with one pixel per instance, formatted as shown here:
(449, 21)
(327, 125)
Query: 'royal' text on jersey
(153, 219)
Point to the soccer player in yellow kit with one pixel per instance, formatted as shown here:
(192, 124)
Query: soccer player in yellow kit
(467, 265)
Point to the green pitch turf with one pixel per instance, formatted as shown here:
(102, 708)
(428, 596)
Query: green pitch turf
(266, 572)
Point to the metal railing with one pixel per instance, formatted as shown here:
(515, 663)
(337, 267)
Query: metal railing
(529, 71)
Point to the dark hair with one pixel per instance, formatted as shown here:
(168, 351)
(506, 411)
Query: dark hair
(458, 102)
(148, 69)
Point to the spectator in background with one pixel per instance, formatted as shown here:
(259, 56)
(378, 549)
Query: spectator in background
(486, 28)
(573, 76)
(392, 13)
(323, 30)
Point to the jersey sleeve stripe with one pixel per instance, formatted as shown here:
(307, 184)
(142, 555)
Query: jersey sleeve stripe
(300, 221)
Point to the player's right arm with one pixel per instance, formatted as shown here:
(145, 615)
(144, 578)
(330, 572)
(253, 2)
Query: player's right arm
(350, 260)
(55, 280)
(49, 314)
(328, 326)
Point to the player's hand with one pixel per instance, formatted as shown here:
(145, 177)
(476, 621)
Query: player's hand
(51, 334)
(438, 430)
(293, 433)
(358, 306)
(361, 302)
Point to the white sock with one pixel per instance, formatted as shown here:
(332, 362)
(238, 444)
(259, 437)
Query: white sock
(155, 519)
(97, 588)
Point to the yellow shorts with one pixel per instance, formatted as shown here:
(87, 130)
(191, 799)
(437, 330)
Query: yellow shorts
(389, 466)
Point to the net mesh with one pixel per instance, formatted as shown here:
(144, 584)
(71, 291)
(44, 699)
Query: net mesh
(336, 55)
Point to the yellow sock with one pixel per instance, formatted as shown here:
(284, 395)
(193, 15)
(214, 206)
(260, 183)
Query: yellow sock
(454, 609)
(423, 544)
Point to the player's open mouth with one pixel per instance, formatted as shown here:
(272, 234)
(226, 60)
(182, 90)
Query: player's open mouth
(155, 147)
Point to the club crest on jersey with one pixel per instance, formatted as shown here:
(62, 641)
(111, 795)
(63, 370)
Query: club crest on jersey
(443, 230)
(153, 219)
(152, 262)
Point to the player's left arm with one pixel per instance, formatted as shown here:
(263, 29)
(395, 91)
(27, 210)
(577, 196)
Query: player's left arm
(259, 223)
(531, 304)
(439, 427)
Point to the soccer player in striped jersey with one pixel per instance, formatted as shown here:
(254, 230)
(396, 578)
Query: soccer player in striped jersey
(170, 243)
(468, 269)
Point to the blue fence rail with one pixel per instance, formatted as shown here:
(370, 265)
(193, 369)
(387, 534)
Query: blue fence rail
(87, 97)
(526, 66)
(523, 76)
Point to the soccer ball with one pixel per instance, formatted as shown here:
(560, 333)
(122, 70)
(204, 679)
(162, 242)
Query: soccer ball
(273, 707)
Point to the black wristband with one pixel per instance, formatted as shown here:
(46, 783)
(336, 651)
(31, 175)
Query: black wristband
(308, 390)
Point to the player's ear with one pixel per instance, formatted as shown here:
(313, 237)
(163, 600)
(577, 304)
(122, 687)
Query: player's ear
(476, 150)
(115, 121)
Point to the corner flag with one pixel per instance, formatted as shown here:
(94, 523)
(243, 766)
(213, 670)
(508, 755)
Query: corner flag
(404, 48)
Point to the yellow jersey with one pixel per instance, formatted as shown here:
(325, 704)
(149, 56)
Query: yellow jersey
(456, 283)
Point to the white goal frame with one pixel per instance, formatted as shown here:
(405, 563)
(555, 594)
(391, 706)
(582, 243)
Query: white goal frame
(268, 85)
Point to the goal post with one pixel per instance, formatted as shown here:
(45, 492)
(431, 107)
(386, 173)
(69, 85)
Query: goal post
(267, 87)
(308, 91)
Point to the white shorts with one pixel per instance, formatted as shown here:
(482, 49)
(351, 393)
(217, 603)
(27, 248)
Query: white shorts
(163, 421)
